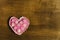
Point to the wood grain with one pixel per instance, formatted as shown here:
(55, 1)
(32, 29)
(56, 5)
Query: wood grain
(44, 16)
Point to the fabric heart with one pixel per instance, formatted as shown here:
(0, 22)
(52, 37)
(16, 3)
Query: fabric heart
(19, 26)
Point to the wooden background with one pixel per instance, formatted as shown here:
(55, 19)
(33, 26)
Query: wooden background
(44, 16)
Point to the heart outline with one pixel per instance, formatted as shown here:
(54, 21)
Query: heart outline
(20, 19)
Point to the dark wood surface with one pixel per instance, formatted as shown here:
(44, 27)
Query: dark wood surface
(44, 18)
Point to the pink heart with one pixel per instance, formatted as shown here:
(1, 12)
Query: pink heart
(19, 26)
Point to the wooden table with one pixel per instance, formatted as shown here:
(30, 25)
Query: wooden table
(44, 18)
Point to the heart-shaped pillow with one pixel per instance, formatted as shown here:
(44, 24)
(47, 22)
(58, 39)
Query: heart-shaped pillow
(19, 25)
